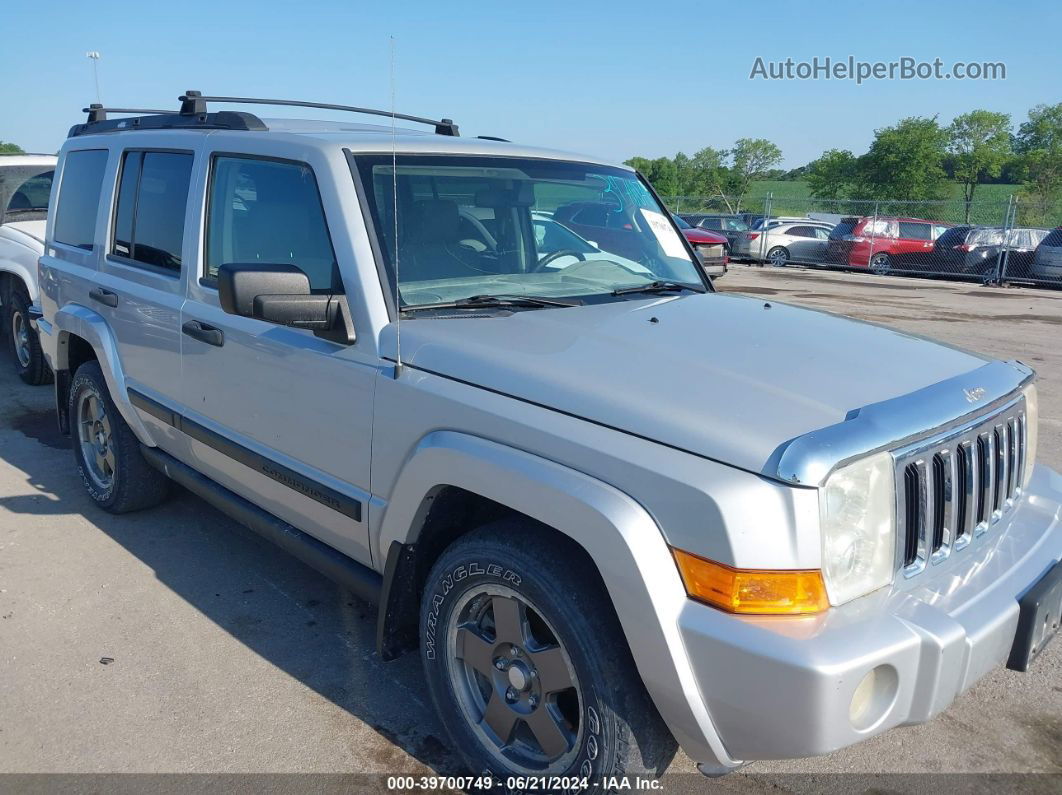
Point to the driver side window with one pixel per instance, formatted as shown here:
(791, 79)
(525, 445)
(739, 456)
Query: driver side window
(269, 211)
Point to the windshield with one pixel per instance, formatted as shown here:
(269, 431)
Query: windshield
(475, 226)
(28, 199)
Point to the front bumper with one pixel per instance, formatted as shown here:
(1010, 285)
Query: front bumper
(781, 687)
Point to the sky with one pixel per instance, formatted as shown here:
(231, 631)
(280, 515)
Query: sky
(611, 79)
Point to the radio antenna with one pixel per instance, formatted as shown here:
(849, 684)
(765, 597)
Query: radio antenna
(394, 210)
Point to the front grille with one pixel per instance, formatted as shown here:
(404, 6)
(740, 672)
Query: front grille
(710, 251)
(955, 487)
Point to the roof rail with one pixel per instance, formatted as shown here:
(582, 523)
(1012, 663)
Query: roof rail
(195, 102)
(193, 114)
(187, 119)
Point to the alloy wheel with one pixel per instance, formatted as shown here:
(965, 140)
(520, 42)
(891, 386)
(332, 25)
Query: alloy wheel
(514, 681)
(94, 436)
(20, 335)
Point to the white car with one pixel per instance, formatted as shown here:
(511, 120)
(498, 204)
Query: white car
(25, 184)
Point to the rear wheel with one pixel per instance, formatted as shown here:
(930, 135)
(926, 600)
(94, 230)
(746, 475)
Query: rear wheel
(527, 665)
(778, 256)
(881, 264)
(114, 471)
(23, 343)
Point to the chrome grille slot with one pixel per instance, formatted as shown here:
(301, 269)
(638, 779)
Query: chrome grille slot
(955, 486)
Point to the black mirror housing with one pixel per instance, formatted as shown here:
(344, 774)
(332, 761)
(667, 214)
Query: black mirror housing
(240, 283)
(280, 294)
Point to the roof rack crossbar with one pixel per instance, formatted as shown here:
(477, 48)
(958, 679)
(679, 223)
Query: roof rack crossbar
(193, 102)
(97, 112)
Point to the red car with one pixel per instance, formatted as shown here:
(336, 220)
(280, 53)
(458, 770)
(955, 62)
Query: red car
(613, 229)
(882, 243)
(713, 249)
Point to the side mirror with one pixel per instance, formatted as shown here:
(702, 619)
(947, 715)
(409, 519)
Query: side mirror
(279, 293)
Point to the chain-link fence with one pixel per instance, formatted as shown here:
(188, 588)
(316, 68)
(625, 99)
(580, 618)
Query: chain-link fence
(987, 241)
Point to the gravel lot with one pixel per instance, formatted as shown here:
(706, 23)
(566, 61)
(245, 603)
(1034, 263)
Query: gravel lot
(231, 657)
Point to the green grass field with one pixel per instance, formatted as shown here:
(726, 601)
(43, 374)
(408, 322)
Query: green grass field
(794, 198)
(799, 190)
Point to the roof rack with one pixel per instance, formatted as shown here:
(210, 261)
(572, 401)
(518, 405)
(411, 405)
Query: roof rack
(196, 103)
(193, 114)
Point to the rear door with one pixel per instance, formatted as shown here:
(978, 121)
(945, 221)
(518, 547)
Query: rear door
(276, 414)
(914, 242)
(139, 288)
(802, 243)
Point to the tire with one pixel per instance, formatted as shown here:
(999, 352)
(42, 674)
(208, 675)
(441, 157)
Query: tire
(114, 472)
(23, 343)
(778, 256)
(881, 264)
(569, 697)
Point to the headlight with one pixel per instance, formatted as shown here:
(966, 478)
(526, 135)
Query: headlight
(1032, 422)
(857, 510)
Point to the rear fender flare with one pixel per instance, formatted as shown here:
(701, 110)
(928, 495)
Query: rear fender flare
(83, 322)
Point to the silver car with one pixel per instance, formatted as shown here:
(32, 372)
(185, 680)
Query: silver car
(785, 242)
(1047, 262)
(606, 536)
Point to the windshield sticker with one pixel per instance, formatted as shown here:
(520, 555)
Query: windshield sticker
(665, 234)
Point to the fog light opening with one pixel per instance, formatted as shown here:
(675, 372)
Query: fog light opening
(873, 698)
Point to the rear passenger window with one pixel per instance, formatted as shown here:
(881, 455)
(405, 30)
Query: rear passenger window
(152, 199)
(912, 231)
(269, 211)
(79, 197)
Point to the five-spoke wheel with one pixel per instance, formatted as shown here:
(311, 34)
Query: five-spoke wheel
(514, 680)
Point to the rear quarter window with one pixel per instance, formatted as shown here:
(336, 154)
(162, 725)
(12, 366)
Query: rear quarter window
(79, 197)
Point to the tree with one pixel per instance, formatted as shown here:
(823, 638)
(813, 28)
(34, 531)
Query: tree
(979, 143)
(10, 149)
(904, 162)
(831, 176)
(1039, 146)
(751, 157)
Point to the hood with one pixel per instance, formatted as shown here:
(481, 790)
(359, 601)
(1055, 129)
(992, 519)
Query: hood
(703, 236)
(32, 229)
(721, 376)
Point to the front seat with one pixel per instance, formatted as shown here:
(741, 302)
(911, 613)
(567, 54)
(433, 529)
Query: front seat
(431, 244)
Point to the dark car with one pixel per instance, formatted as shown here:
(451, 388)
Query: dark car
(977, 250)
(732, 227)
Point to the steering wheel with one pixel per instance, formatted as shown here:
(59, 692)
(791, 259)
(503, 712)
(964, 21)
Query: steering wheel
(564, 252)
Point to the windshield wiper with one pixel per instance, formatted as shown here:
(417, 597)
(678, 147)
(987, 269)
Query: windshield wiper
(658, 287)
(492, 301)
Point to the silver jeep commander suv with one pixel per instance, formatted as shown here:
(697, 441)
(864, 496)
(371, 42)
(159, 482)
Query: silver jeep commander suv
(602, 537)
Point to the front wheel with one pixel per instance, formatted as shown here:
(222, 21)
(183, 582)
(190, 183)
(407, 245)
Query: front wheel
(23, 343)
(527, 665)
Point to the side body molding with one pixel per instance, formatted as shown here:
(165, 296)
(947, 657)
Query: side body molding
(90, 326)
(620, 536)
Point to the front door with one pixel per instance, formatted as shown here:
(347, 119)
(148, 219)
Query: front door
(276, 414)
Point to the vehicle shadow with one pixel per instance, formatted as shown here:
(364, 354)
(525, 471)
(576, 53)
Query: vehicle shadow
(287, 613)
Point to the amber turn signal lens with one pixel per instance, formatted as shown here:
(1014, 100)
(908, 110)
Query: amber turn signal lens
(752, 591)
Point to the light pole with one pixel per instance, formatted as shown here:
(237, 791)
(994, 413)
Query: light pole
(94, 56)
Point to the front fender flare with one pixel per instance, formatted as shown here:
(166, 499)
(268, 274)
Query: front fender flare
(83, 322)
(620, 536)
(23, 274)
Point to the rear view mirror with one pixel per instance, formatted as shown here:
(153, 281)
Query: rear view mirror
(280, 293)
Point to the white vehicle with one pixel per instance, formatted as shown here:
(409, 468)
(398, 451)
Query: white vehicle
(25, 184)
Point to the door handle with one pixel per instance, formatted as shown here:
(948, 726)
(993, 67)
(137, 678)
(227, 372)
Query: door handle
(105, 297)
(204, 333)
